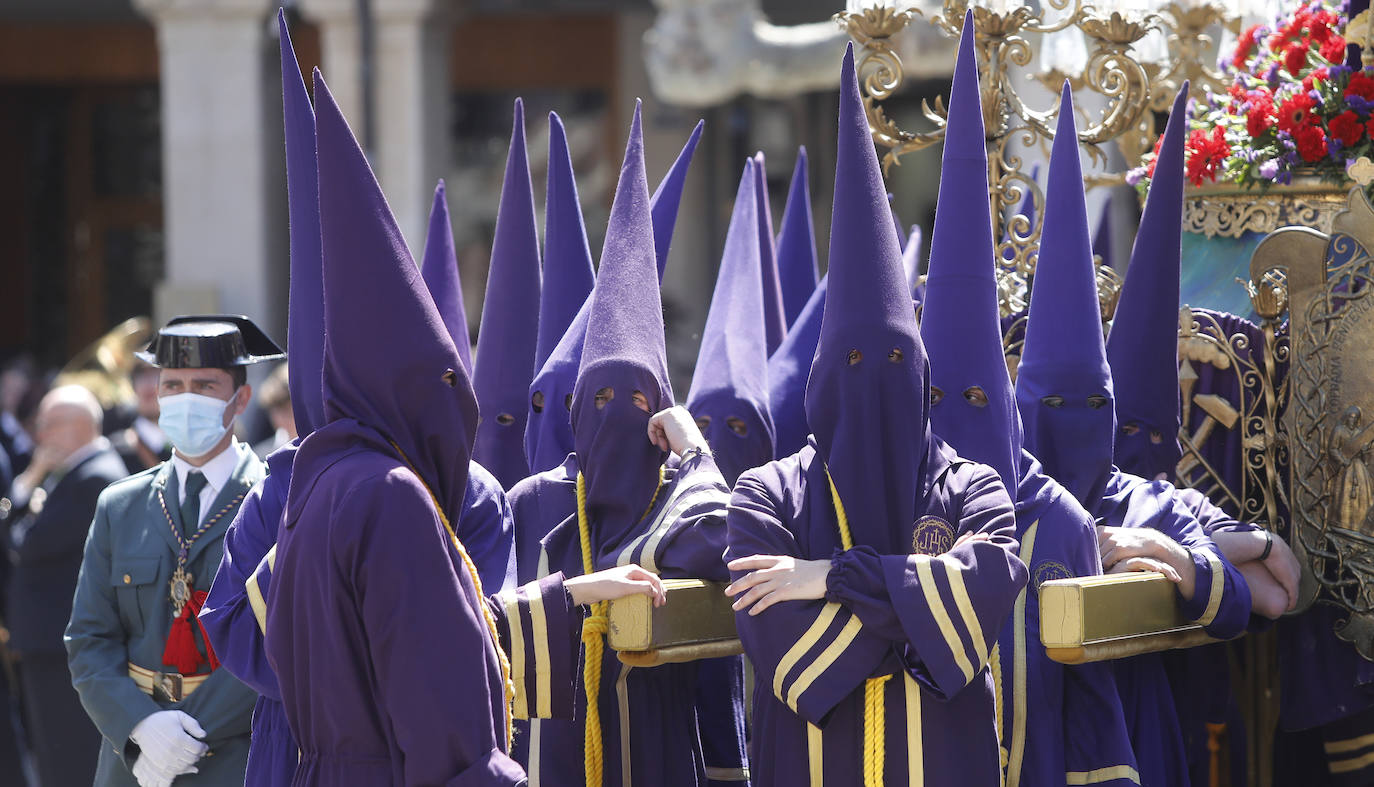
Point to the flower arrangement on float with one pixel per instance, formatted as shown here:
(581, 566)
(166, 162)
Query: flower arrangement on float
(1293, 106)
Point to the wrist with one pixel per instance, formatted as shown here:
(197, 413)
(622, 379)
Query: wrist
(694, 448)
(1268, 546)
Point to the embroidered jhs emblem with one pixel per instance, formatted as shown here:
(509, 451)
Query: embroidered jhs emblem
(933, 536)
(1047, 570)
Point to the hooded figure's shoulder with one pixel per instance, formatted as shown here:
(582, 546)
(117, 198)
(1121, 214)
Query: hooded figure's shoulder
(781, 484)
(554, 486)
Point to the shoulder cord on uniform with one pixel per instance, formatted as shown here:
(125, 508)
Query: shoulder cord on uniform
(508, 687)
(875, 711)
(593, 642)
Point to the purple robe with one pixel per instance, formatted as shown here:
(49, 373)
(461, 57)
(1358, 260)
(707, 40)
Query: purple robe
(230, 615)
(648, 716)
(1058, 722)
(925, 618)
(364, 562)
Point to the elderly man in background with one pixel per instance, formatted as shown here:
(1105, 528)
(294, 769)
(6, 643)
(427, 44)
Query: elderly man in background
(49, 511)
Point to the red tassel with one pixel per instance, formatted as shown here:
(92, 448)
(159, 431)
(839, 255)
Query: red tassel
(181, 651)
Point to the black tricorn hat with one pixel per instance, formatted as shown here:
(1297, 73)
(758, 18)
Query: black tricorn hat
(209, 341)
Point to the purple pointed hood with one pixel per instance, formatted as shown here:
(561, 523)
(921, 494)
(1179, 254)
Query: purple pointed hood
(868, 397)
(623, 356)
(305, 306)
(974, 407)
(788, 369)
(568, 271)
(439, 267)
(797, 267)
(668, 196)
(504, 366)
(1142, 349)
(911, 261)
(1063, 386)
(774, 315)
(398, 373)
(548, 433)
(729, 396)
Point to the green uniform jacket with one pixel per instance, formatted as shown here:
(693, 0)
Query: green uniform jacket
(122, 613)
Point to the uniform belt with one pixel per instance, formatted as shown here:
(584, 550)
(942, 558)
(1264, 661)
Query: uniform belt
(167, 686)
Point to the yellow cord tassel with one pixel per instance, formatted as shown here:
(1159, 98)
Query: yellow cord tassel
(594, 642)
(875, 709)
(506, 683)
(593, 629)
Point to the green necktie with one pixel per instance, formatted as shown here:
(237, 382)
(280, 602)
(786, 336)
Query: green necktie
(190, 506)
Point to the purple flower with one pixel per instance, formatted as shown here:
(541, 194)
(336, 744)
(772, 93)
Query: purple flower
(1316, 96)
(1271, 75)
(1134, 176)
(1337, 72)
(1268, 170)
(1359, 104)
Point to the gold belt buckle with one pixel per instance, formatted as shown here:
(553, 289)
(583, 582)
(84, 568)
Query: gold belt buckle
(167, 686)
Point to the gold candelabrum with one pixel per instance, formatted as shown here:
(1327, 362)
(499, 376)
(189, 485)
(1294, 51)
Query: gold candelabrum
(1134, 90)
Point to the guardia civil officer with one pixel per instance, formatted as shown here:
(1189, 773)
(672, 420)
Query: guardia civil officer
(142, 665)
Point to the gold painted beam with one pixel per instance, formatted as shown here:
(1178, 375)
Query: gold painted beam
(1113, 616)
(696, 623)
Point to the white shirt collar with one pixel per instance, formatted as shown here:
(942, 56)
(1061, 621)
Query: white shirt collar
(217, 471)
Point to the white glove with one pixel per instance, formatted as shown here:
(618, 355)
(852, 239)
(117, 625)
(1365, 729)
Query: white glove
(167, 750)
(150, 775)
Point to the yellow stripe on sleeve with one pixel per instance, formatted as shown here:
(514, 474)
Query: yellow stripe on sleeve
(823, 661)
(1218, 584)
(799, 649)
(965, 605)
(257, 602)
(511, 601)
(941, 615)
(815, 755)
(1076, 778)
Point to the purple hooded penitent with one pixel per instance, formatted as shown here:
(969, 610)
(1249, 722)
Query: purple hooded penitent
(974, 407)
(788, 369)
(668, 196)
(729, 396)
(1063, 385)
(548, 432)
(907, 498)
(1142, 349)
(896, 221)
(797, 268)
(439, 267)
(568, 271)
(1072, 720)
(774, 314)
(504, 366)
(365, 567)
(623, 355)
(868, 396)
(911, 261)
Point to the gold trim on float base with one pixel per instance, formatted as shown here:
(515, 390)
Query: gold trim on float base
(697, 611)
(1230, 211)
(1113, 616)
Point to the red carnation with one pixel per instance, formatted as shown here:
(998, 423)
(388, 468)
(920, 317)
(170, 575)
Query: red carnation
(1318, 75)
(1295, 112)
(1206, 154)
(1369, 127)
(1311, 143)
(1295, 57)
(1154, 157)
(1333, 49)
(1260, 118)
(1347, 128)
(1361, 85)
(1244, 46)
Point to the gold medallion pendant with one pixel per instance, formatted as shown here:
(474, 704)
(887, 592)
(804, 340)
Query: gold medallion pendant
(180, 586)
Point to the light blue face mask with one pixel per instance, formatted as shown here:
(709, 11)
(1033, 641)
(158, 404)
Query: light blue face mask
(194, 422)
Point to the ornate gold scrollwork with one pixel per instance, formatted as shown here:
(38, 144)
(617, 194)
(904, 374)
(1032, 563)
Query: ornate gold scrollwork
(1331, 414)
(1230, 212)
